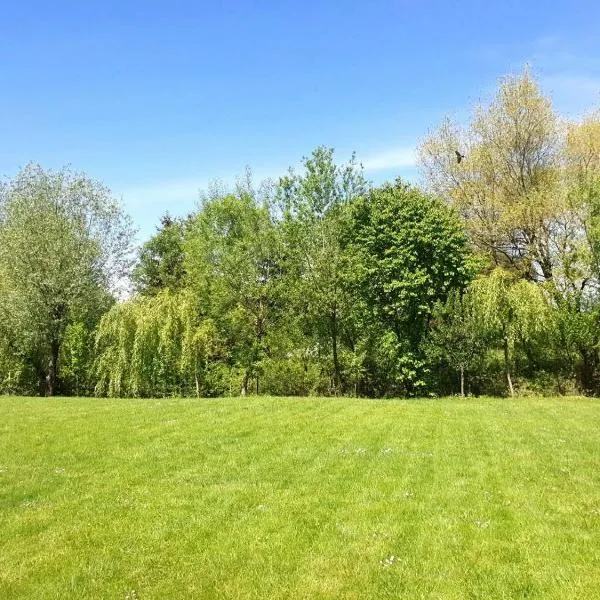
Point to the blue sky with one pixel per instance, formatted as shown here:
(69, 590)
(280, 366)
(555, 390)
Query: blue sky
(156, 99)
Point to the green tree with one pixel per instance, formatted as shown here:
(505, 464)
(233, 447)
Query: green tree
(456, 335)
(233, 262)
(510, 312)
(507, 184)
(64, 246)
(313, 220)
(155, 346)
(160, 263)
(404, 252)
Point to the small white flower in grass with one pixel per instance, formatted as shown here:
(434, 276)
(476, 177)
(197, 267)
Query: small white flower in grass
(59, 470)
(262, 507)
(482, 524)
(389, 561)
(360, 451)
(379, 534)
(345, 530)
(386, 450)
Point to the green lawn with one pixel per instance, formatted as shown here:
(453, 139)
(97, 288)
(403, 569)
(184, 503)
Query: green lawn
(299, 498)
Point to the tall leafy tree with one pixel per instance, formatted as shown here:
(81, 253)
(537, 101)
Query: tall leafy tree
(312, 205)
(64, 247)
(578, 285)
(405, 251)
(501, 172)
(233, 262)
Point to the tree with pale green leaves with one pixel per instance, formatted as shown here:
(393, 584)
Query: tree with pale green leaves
(510, 311)
(507, 183)
(65, 246)
(158, 345)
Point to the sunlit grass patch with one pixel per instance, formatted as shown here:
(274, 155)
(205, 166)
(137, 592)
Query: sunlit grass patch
(299, 498)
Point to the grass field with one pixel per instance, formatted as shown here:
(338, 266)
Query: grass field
(299, 498)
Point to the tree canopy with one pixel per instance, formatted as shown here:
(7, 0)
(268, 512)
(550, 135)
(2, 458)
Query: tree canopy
(485, 279)
(64, 248)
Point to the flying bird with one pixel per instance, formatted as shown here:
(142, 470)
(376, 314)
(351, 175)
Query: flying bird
(459, 156)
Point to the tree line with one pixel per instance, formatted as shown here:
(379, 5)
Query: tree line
(484, 280)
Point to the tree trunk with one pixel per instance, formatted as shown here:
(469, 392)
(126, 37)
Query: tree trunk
(337, 378)
(260, 331)
(42, 385)
(244, 390)
(52, 377)
(462, 381)
(511, 390)
(588, 370)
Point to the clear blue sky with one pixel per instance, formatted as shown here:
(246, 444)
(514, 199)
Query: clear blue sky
(157, 98)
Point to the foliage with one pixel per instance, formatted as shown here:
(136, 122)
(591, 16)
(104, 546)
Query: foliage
(160, 263)
(312, 203)
(64, 246)
(507, 186)
(233, 261)
(404, 252)
(158, 345)
(457, 339)
(319, 282)
(509, 312)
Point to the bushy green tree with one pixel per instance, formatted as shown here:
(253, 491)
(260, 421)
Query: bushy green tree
(404, 252)
(64, 246)
(160, 264)
(312, 204)
(233, 262)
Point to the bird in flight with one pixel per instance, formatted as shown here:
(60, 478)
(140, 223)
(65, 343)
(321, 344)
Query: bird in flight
(459, 156)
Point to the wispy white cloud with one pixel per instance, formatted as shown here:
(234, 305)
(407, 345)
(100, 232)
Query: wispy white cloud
(575, 94)
(163, 193)
(394, 158)
(148, 200)
(568, 69)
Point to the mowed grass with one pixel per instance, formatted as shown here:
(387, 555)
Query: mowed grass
(299, 498)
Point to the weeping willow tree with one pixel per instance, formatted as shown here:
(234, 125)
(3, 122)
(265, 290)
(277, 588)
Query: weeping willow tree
(510, 311)
(155, 346)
